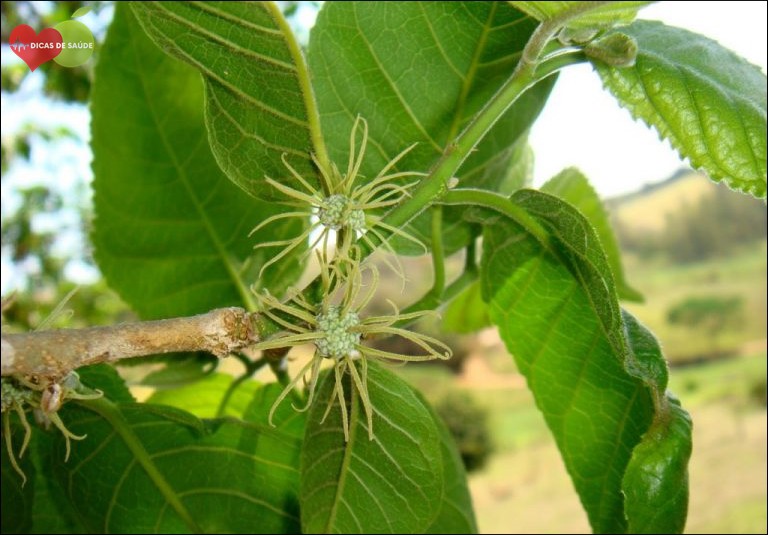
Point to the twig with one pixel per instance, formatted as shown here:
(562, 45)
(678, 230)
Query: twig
(55, 353)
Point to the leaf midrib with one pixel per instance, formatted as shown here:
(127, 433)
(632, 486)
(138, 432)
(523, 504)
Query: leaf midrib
(109, 411)
(394, 87)
(344, 467)
(302, 73)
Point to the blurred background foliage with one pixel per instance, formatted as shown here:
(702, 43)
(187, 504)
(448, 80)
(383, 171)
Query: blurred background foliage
(711, 222)
(468, 423)
(38, 212)
(696, 250)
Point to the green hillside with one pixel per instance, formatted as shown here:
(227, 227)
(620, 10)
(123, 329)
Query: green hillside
(648, 208)
(697, 251)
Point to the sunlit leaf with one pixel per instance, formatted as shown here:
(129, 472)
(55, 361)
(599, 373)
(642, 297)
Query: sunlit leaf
(585, 14)
(171, 231)
(203, 397)
(259, 104)
(709, 102)
(598, 384)
(418, 72)
(572, 186)
(154, 469)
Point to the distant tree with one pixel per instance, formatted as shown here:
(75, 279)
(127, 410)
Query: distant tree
(468, 424)
(711, 314)
(714, 227)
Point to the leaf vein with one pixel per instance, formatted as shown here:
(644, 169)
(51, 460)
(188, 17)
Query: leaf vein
(395, 90)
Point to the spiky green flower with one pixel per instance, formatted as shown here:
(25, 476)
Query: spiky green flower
(343, 206)
(338, 329)
(339, 338)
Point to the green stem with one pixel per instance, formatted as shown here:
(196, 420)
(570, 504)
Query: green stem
(455, 288)
(493, 201)
(432, 300)
(429, 302)
(111, 413)
(540, 40)
(251, 367)
(308, 95)
(434, 186)
(501, 204)
(438, 253)
(244, 360)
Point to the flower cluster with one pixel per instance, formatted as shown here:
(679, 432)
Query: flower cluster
(342, 205)
(336, 323)
(336, 329)
(44, 398)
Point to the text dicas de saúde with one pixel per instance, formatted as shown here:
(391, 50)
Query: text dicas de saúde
(61, 46)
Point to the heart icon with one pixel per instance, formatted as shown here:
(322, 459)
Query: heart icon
(35, 49)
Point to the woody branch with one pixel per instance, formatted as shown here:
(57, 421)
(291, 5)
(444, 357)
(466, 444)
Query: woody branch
(55, 353)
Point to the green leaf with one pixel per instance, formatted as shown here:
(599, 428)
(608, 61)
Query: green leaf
(170, 230)
(82, 11)
(656, 480)
(655, 483)
(53, 511)
(467, 313)
(155, 469)
(580, 250)
(259, 103)
(572, 186)
(105, 378)
(17, 497)
(286, 419)
(584, 14)
(456, 514)
(709, 102)
(181, 369)
(644, 359)
(594, 378)
(418, 72)
(202, 398)
(391, 484)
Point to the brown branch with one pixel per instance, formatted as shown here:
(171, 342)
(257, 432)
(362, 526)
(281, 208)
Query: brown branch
(55, 353)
